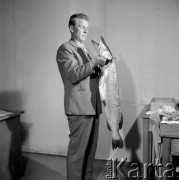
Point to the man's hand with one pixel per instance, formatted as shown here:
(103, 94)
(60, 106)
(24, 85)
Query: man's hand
(99, 60)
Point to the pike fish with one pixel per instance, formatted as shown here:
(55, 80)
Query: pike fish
(109, 92)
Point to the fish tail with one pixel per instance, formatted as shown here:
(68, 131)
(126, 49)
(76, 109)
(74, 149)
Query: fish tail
(117, 143)
(121, 122)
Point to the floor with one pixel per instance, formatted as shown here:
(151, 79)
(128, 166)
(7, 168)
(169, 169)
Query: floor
(49, 167)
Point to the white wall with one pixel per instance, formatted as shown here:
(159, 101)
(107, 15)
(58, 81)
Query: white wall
(0, 41)
(7, 55)
(143, 35)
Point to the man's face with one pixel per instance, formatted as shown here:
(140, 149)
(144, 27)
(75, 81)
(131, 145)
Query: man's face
(80, 30)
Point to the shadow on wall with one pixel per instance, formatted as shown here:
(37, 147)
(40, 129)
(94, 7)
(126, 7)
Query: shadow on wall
(132, 138)
(13, 100)
(132, 141)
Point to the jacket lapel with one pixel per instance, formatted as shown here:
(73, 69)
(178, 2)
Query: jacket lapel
(85, 55)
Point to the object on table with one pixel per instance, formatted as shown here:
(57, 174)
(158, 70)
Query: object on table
(166, 113)
(4, 113)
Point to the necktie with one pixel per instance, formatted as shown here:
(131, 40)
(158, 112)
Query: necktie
(85, 51)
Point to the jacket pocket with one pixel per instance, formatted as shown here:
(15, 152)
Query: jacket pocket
(84, 84)
(80, 86)
(75, 87)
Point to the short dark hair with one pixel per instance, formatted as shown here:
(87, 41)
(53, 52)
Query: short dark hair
(78, 15)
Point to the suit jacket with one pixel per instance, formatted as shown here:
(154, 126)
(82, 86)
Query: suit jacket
(80, 79)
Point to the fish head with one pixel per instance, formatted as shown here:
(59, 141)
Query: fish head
(103, 50)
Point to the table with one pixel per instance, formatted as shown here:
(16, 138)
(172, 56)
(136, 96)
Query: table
(169, 134)
(10, 146)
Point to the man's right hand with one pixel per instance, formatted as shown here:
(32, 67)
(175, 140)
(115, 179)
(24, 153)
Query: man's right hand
(99, 60)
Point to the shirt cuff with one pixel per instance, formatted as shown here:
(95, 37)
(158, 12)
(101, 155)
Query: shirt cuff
(92, 66)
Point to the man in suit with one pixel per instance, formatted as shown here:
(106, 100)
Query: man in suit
(80, 75)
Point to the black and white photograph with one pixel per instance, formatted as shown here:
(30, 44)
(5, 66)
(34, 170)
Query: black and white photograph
(89, 89)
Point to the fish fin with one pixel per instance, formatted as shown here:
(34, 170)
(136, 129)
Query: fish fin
(121, 122)
(108, 126)
(104, 102)
(117, 144)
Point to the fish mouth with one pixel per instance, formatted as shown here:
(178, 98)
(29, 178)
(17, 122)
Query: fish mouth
(108, 61)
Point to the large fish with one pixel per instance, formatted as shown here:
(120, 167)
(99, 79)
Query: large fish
(109, 92)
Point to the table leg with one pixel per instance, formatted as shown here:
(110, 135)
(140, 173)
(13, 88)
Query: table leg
(166, 157)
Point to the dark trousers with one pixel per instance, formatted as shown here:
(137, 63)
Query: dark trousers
(82, 146)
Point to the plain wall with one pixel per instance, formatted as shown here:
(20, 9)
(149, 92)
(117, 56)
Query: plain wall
(143, 36)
